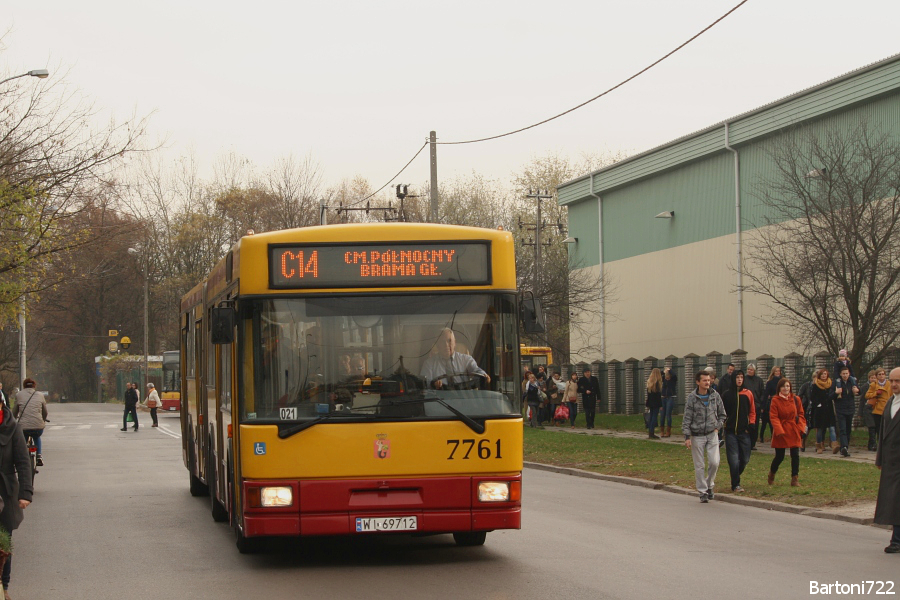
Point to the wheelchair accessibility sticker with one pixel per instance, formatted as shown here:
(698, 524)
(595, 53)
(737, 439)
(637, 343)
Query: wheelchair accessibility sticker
(259, 448)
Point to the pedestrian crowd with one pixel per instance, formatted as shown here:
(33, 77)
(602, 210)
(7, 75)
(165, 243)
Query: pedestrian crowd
(736, 410)
(740, 407)
(551, 400)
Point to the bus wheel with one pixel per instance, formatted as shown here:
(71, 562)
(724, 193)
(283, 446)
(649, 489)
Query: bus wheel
(470, 538)
(246, 545)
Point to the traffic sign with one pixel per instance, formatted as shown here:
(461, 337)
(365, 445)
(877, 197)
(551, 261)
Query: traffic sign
(113, 333)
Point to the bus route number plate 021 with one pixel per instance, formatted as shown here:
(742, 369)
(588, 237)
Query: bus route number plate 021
(364, 525)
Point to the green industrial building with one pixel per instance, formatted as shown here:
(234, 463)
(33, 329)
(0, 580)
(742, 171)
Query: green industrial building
(665, 227)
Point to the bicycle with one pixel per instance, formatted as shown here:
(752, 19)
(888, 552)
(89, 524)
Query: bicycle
(32, 455)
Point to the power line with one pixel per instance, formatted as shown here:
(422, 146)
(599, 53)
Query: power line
(574, 108)
(391, 180)
(642, 71)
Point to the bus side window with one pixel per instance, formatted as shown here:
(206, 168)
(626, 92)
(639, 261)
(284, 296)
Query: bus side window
(247, 362)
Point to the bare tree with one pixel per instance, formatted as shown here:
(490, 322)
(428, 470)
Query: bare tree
(827, 253)
(55, 162)
(296, 187)
(566, 289)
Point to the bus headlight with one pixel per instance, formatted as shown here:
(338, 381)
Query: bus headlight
(493, 491)
(276, 496)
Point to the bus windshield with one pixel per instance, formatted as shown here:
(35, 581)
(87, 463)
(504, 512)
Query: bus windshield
(379, 357)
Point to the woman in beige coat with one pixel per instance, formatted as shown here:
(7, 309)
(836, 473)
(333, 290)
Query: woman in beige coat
(153, 402)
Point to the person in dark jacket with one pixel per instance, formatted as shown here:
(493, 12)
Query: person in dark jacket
(543, 412)
(845, 392)
(887, 459)
(842, 362)
(533, 398)
(15, 483)
(131, 400)
(757, 386)
(669, 396)
(740, 411)
(589, 388)
(762, 408)
(821, 401)
(804, 398)
(726, 380)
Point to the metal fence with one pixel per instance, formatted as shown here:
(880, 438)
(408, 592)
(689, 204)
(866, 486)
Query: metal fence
(629, 390)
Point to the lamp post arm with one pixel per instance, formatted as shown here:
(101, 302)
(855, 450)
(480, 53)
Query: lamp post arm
(39, 73)
(13, 77)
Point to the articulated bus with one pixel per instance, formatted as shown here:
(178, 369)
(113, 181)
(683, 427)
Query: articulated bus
(532, 356)
(171, 385)
(356, 380)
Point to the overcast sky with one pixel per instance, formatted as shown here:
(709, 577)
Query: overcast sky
(360, 84)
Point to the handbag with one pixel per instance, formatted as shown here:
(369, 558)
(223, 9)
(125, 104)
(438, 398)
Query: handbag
(129, 418)
(562, 412)
(646, 418)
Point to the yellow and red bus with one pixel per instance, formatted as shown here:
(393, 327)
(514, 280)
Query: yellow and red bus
(313, 402)
(532, 356)
(170, 394)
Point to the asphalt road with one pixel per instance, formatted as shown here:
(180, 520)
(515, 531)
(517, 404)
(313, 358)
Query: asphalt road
(112, 519)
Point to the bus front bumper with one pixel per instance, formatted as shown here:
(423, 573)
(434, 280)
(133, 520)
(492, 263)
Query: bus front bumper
(334, 507)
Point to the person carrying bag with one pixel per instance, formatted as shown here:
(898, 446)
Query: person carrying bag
(153, 403)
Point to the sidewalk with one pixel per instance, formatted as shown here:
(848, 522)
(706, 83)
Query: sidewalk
(860, 513)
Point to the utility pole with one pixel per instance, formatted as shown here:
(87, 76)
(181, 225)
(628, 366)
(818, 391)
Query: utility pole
(23, 355)
(537, 195)
(146, 324)
(432, 215)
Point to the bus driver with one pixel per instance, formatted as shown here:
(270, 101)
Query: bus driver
(449, 361)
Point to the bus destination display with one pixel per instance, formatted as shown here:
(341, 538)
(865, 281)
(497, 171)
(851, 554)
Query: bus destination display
(379, 265)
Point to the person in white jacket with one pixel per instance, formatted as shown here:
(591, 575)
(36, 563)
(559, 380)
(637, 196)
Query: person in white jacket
(153, 402)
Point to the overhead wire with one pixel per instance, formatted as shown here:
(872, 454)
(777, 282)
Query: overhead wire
(391, 180)
(598, 96)
(574, 108)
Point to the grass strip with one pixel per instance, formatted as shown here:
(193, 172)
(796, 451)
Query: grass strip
(824, 483)
(859, 437)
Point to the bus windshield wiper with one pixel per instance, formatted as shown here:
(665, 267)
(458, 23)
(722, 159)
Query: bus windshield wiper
(469, 421)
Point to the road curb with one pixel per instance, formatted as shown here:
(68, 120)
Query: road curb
(728, 499)
(591, 475)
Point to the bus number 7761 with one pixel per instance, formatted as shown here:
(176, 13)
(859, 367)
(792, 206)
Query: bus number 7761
(484, 451)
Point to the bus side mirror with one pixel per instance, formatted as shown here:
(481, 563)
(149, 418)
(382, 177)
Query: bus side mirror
(531, 315)
(221, 327)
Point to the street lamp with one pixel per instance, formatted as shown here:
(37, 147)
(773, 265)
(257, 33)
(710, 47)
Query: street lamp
(39, 73)
(23, 355)
(146, 270)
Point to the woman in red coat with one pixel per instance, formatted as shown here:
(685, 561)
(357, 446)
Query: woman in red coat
(788, 426)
